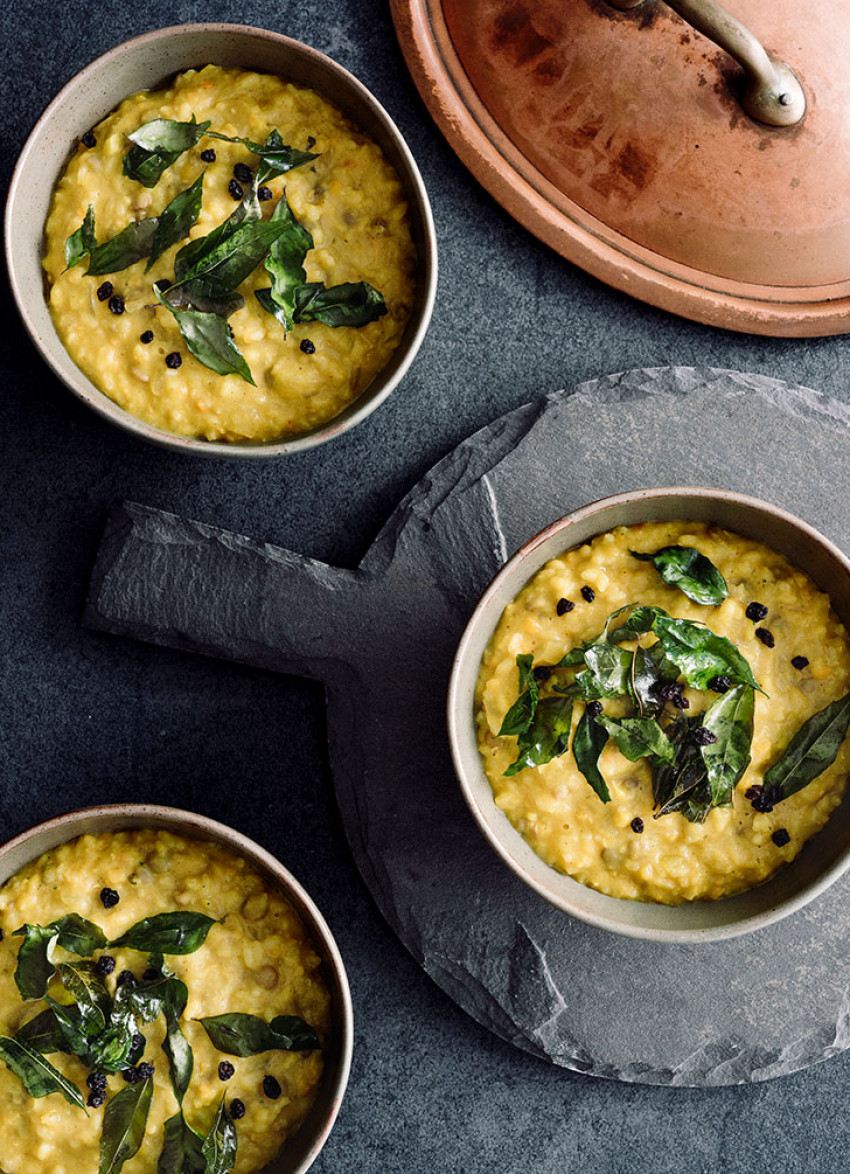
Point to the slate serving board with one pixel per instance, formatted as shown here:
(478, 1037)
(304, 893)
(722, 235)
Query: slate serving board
(382, 638)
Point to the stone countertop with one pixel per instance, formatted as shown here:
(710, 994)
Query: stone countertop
(89, 718)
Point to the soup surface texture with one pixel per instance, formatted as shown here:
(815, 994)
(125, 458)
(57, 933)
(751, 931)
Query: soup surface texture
(624, 847)
(350, 200)
(256, 959)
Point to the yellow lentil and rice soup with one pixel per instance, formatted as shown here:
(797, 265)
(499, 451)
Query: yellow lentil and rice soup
(350, 200)
(629, 847)
(256, 959)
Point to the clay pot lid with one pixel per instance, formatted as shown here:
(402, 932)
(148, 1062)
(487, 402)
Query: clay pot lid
(619, 138)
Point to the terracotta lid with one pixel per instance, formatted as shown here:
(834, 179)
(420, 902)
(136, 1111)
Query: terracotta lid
(619, 138)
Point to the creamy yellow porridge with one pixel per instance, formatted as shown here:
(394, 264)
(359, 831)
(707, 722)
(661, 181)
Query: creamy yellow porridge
(272, 377)
(662, 779)
(249, 955)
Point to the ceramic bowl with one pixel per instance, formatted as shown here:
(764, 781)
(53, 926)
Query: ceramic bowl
(300, 1151)
(147, 62)
(823, 859)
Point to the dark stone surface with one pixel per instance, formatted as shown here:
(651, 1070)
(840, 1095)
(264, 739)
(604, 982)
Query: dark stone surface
(87, 717)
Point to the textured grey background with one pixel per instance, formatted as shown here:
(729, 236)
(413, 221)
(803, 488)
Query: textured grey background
(87, 718)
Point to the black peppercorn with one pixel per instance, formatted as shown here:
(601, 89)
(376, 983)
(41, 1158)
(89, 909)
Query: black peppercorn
(235, 190)
(704, 736)
(766, 637)
(96, 1099)
(104, 965)
(756, 611)
(208, 155)
(720, 683)
(637, 824)
(309, 348)
(674, 693)
(88, 140)
(237, 1109)
(780, 837)
(138, 1042)
(173, 360)
(271, 1087)
(116, 304)
(146, 337)
(126, 978)
(588, 594)
(105, 291)
(759, 798)
(800, 662)
(243, 173)
(264, 193)
(109, 898)
(225, 1070)
(96, 1081)
(594, 708)
(145, 1071)
(563, 606)
(131, 1075)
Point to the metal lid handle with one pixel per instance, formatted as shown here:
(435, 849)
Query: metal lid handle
(773, 93)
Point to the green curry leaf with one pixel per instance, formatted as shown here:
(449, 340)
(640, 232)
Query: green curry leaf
(349, 304)
(208, 337)
(238, 1034)
(37, 1075)
(181, 1149)
(730, 719)
(694, 574)
(35, 959)
(124, 1123)
(547, 736)
(700, 653)
(638, 737)
(176, 218)
(588, 743)
(812, 749)
(219, 1146)
(80, 243)
(168, 933)
(157, 145)
(132, 244)
(276, 158)
(285, 265)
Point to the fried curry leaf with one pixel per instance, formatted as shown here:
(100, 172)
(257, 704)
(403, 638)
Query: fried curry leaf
(92, 997)
(168, 933)
(700, 653)
(682, 785)
(650, 669)
(695, 575)
(285, 266)
(35, 966)
(132, 244)
(69, 1027)
(124, 1122)
(79, 936)
(547, 736)
(588, 742)
(37, 1075)
(181, 1148)
(157, 145)
(276, 158)
(40, 1033)
(812, 749)
(80, 243)
(638, 737)
(607, 673)
(221, 261)
(350, 304)
(181, 1060)
(518, 718)
(730, 719)
(209, 339)
(219, 1146)
(176, 218)
(238, 1034)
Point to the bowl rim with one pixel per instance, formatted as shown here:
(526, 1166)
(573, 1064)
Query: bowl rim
(197, 826)
(83, 388)
(507, 841)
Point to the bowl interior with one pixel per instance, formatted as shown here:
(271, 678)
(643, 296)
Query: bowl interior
(299, 1152)
(147, 63)
(824, 857)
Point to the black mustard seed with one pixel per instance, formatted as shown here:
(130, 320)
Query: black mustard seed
(88, 140)
(235, 190)
(145, 1071)
(542, 672)
(563, 606)
(766, 637)
(225, 1070)
(116, 304)
(759, 799)
(138, 1042)
(146, 337)
(264, 193)
(104, 965)
(308, 347)
(109, 898)
(105, 291)
(243, 173)
(704, 736)
(594, 708)
(131, 1075)
(756, 611)
(237, 1109)
(96, 1081)
(780, 837)
(163, 284)
(637, 824)
(800, 662)
(126, 978)
(96, 1099)
(174, 360)
(208, 156)
(150, 975)
(588, 594)
(271, 1087)
(720, 683)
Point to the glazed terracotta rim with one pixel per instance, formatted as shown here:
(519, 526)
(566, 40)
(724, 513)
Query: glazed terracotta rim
(570, 896)
(19, 258)
(574, 233)
(120, 816)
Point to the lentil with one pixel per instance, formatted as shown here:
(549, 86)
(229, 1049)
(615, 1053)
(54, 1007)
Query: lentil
(104, 965)
(271, 1087)
(88, 139)
(235, 190)
(146, 337)
(756, 611)
(116, 304)
(780, 838)
(563, 606)
(173, 360)
(109, 898)
(766, 637)
(237, 1109)
(800, 662)
(104, 291)
(588, 594)
(225, 1070)
(208, 156)
(309, 348)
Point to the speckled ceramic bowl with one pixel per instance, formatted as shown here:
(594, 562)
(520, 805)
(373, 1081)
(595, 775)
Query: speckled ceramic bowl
(823, 859)
(146, 63)
(301, 1150)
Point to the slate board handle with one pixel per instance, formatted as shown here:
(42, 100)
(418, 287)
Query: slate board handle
(183, 584)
